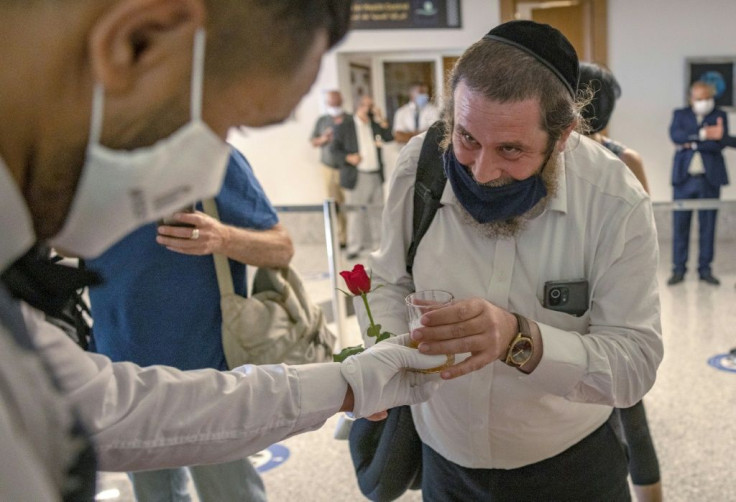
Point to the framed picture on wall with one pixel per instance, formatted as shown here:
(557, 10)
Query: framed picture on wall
(718, 72)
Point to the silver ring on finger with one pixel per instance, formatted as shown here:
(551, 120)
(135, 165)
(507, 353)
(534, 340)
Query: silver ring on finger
(195, 234)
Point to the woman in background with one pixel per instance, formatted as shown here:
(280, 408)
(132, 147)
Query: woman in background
(643, 463)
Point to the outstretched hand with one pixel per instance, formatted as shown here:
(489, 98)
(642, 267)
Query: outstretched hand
(379, 380)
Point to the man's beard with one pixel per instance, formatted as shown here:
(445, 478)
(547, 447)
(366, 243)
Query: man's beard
(513, 226)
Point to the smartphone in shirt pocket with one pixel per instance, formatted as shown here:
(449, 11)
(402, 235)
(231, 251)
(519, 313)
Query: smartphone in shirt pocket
(570, 297)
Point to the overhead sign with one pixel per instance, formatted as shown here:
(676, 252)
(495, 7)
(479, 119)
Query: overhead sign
(405, 15)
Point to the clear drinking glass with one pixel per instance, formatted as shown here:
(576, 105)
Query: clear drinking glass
(419, 303)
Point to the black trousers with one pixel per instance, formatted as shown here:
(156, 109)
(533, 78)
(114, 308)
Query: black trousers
(696, 187)
(592, 470)
(643, 462)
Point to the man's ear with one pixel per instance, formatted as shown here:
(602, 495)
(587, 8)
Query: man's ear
(135, 36)
(562, 142)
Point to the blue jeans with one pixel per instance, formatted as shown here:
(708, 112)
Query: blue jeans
(232, 481)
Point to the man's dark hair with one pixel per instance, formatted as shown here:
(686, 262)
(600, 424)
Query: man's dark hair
(503, 73)
(276, 33)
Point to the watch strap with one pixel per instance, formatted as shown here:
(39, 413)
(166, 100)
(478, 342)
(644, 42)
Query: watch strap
(524, 331)
(524, 328)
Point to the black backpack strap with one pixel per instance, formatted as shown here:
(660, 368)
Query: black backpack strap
(428, 188)
(39, 280)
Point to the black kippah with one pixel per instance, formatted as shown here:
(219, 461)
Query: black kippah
(546, 44)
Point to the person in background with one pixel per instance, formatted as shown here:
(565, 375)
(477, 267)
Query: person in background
(530, 208)
(716, 133)
(160, 300)
(322, 138)
(415, 116)
(356, 148)
(120, 121)
(698, 172)
(643, 462)
(606, 91)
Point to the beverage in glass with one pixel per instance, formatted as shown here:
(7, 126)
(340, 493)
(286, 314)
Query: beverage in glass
(418, 304)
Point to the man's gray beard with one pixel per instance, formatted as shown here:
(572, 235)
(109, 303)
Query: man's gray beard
(513, 226)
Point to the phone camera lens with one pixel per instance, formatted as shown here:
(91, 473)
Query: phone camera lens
(554, 296)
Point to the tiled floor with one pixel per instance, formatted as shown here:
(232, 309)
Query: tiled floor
(691, 409)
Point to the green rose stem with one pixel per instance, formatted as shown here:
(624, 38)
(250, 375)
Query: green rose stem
(368, 309)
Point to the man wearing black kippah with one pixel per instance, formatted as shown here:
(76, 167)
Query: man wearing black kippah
(547, 242)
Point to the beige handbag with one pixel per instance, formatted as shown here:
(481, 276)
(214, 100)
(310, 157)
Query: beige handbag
(278, 323)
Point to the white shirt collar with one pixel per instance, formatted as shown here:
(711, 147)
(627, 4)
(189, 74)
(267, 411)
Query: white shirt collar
(15, 220)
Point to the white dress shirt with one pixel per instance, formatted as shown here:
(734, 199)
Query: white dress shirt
(696, 166)
(405, 117)
(366, 147)
(140, 418)
(599, 227)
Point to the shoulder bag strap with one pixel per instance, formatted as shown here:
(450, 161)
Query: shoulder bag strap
(428, 187)
(222, 267)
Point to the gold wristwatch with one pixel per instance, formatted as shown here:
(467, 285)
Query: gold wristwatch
(521, 348)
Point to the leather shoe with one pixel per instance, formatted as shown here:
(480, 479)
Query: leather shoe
(675, 279)
(710, 280)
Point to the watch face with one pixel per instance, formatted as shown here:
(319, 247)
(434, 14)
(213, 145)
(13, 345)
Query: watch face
(521, 351)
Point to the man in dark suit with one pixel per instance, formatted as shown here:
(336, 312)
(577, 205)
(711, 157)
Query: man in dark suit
(698, 172)
(356, 149)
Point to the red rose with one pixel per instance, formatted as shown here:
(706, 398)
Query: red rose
(357, 280)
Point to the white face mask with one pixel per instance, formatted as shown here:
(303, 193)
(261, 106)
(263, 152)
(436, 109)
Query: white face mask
(121, 190)
(334, 111)
(703, 106)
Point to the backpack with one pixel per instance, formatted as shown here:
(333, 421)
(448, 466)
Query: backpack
(75, 317)
(55, 289)
(428, 187)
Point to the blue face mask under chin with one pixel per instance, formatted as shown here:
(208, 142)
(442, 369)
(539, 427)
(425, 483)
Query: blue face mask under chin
(485, 203)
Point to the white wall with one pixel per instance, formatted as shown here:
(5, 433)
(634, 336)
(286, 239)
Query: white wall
(282, 157)
(648, 43)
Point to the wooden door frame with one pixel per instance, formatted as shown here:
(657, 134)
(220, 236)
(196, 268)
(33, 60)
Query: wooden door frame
(598, 24)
